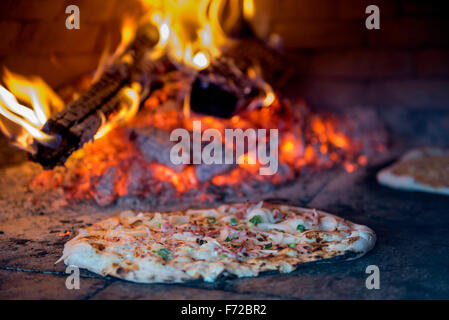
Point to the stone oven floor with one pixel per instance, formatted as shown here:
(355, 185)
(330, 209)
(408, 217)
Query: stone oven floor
(412, 251)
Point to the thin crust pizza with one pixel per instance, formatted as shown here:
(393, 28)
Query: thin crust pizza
(237, 239)
(425, 170)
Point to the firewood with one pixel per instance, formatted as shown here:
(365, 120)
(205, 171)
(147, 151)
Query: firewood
(205, 172)
(80, 120)
(222, 89)
(155, 146)
(104, 191)
(254, 52)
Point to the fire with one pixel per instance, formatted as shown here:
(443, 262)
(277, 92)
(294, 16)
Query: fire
(113, 165)
(248, 163)
(181, 181)
(200, 60)
(269, 98)
(269, 95)
(23, 123)
(130, 106)
(190, 34)
(129, 27)
(248, 8)
(291, 149)
(189, 30)
(128, 30)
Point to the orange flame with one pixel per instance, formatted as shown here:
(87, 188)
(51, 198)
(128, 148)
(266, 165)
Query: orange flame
(189, 33)
(248, 8)
(189, 30)
(181, 181)
(21, 123)
(130, 106)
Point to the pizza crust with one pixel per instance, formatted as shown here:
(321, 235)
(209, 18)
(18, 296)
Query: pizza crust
(130, 245)
(390, 178)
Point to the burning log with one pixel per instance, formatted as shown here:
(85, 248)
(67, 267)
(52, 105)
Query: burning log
(155, 145)
(80, 120)
(104, 191)
(222, 89)
(249, 51)
(231, 82)
(255, 52)
(205, 172)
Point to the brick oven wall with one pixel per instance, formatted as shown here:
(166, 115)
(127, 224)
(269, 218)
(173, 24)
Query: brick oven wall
(342, 63)
(339, 61)
(34, 39)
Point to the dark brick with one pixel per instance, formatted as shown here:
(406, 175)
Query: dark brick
(54, 37)
(432, 62)
(42, 233)
(32, 10)
(358, 63)
(336, 93)
(304, 10)
(318, 282)
(9, 30)
(407, 92)
(130, 291)
(413, 93)
(409, 33)
(424, 9)
(324, 34)
(55, 69)
(355, 9)
(96, 10)
(31, 285)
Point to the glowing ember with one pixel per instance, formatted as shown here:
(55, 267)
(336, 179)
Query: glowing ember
(114, 166)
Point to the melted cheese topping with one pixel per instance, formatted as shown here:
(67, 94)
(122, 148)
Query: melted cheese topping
(239, 239)
(432, 170)
(424, 170)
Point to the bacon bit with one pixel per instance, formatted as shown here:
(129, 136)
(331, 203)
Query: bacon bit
(314, 216)
(277, 215)
(213, 234)
(240, 214)
(198, 232)
(166, 227)
(302, 249)
(250, 234)
(65, 234)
